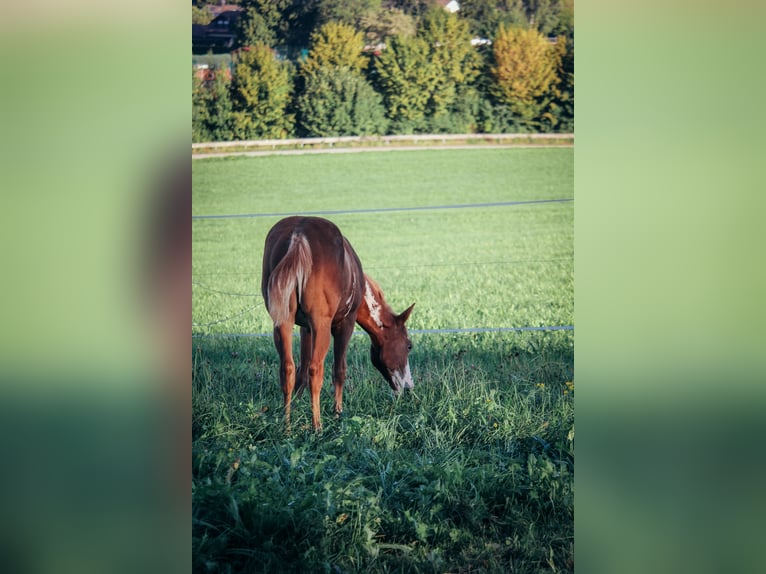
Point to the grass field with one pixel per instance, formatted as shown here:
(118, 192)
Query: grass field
(474, 470)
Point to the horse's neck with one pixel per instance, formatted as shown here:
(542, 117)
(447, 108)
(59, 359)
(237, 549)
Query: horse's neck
(372, 313)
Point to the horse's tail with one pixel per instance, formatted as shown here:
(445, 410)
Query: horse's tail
(290, 274)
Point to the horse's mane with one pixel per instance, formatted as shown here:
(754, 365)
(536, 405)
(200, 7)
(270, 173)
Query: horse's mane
(378, 292)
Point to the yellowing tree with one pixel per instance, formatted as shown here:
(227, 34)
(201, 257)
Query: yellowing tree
(525, 69)
(335, 44)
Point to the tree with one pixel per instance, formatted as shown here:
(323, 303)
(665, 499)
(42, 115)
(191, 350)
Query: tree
(524, 70)
(349, 12)
(335, 44)
(453, 58)
(413, 7)
(560, 114)
(406, 78)
(199, 110)
(219, 106)
(261, 91)
(201, 15)
(335, 98)
(485, 16)
(381, 25)
(253, 29)
(263, 22)
(338, 101)
(551, 17)
(211, 107)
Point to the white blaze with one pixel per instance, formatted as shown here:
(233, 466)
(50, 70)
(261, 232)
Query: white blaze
(403, 380)
(372, 304)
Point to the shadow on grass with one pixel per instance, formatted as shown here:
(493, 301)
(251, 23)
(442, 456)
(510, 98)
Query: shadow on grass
(471, 471)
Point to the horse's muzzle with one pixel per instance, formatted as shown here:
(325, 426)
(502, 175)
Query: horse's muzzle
(402, 380)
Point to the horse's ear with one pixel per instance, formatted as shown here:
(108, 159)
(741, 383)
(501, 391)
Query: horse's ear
(404, 315)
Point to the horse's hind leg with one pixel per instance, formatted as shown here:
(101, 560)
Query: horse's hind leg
(342, 335)
(320, 335)
(303, 368)
(283, 341)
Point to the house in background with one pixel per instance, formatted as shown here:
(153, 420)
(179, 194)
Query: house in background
(220, 34)
(449, 5)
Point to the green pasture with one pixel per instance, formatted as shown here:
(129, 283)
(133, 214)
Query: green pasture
(473, 471)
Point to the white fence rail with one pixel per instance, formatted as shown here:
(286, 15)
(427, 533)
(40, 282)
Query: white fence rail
(384, 140)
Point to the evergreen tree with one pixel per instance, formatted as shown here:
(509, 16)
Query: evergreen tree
(200, 131)
(381, 25)
(211, 108)
(338, 101)
(219, 106)
(560, 114)
(349, 12)
(406, 78)
(454, 60)
(263, 22)
(261, 91)
(335, 98)
(335, 44)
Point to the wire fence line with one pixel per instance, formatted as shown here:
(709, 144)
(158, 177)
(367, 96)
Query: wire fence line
(434, 265)
(230, 293)
(225, 319)
(385, 209)
(461, 330)
(373, 268)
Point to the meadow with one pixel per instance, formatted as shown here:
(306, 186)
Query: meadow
(471, 472)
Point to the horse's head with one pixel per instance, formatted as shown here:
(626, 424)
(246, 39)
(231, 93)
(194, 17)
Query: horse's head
(391, 356)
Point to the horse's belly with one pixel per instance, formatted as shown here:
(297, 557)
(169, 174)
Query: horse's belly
(301, 318)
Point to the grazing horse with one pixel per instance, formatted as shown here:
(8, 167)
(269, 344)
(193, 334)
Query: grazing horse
(313, 277)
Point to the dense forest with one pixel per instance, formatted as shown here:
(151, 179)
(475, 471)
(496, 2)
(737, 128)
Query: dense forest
(363, 67)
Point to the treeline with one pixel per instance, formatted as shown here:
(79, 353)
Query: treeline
(384, 70)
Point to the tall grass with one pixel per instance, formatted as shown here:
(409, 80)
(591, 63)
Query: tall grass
(472, 471)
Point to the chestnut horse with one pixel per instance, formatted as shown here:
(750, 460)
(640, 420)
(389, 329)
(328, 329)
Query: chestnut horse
(313, 277)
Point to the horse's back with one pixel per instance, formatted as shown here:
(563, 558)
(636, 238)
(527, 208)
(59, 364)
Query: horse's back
(334, 267)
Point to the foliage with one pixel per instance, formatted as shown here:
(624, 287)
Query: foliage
(486, 16)
(524, 70)
(339, 101)
(406, 77)
(263, 22)
(212, 108)
(350, 12)
(550, 17)
(201, 15)
(430, 77)
(381, 25)
(335, 44)
(413, 7)
(454, 61)
(560, 113)
(261, 91)
(199, 111)
(335, 98)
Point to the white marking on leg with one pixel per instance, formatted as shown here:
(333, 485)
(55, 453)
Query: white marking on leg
(372, 304)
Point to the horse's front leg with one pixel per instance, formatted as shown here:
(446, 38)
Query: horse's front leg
(341, 335)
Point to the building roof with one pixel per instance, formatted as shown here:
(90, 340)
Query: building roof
(218, 10)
